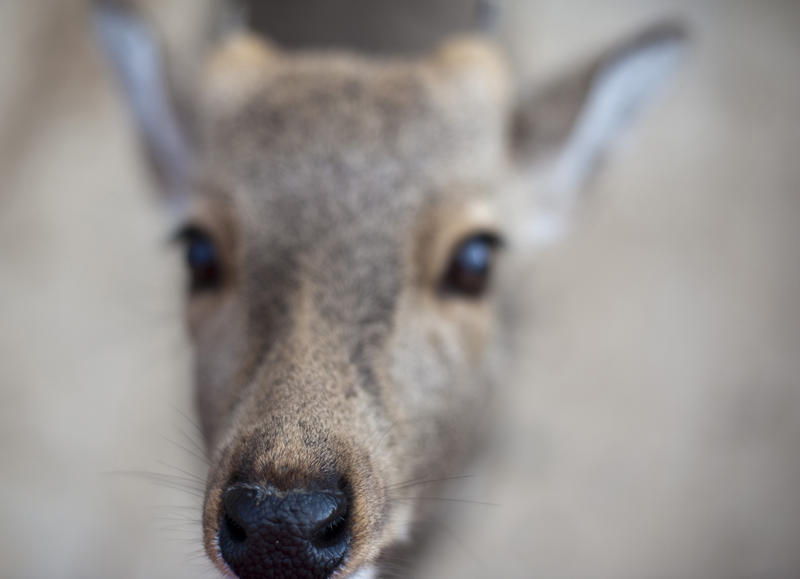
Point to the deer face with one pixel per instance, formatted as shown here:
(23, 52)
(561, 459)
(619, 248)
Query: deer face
(343, 218)
(341, 251)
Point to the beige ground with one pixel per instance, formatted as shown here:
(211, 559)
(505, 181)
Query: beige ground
(656, 426)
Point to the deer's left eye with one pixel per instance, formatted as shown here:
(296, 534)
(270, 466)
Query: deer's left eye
(202, 259)
(469, 271)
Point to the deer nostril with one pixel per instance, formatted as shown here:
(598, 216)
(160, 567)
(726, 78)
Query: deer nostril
(333, 531)
(239, 503)
(236, 532)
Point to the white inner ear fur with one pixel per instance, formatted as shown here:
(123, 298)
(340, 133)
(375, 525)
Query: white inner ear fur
(135, 54)
(615, 97)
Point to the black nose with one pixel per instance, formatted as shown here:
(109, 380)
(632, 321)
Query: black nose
(266, 533)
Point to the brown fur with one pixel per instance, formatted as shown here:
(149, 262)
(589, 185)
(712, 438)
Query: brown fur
(340, 357)
(337, 187)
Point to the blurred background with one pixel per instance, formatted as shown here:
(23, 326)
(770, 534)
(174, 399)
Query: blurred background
(653, 429)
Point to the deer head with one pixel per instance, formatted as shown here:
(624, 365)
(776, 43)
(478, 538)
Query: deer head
(342, 217)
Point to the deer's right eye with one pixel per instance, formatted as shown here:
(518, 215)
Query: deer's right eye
(202, 259)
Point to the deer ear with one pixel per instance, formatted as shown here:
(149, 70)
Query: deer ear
(135, 53)
(569, 125)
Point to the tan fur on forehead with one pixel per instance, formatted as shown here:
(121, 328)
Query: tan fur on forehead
(476, 69)
(475, 65)
(235, 70)
(460, 93)
(315, 124)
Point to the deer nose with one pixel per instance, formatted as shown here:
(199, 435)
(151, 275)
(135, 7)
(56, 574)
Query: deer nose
(280, 534)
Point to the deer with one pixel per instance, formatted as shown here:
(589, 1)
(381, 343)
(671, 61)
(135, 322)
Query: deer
(345, 218)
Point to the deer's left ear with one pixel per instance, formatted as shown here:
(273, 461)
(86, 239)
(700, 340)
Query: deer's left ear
(564, 129)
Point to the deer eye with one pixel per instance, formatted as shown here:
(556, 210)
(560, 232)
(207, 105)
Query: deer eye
(202, 259)
(470, 267)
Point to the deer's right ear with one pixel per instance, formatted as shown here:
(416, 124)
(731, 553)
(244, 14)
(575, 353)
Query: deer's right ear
(135, 53)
